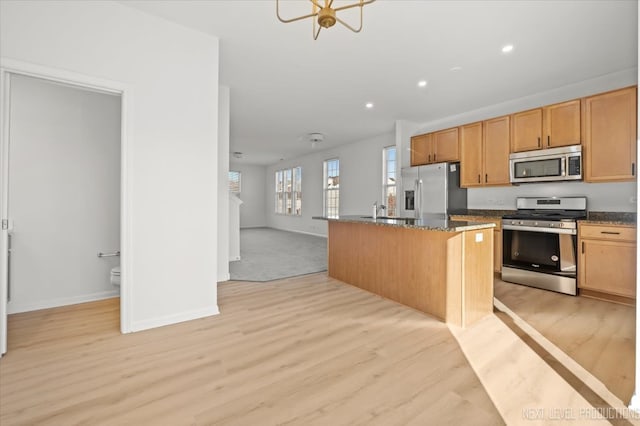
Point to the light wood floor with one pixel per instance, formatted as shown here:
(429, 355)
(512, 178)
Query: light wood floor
(598, 335)
(306, 351)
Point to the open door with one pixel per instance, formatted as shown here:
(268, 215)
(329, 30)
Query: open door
(4, 210)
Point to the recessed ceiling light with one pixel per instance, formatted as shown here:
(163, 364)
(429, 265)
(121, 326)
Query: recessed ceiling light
(369, 105)
(456, 68)
(422, 83)
(508, 48)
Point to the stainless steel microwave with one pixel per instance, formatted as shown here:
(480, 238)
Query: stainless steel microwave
(552, 164)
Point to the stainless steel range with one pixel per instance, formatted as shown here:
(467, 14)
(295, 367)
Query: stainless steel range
(540, 241)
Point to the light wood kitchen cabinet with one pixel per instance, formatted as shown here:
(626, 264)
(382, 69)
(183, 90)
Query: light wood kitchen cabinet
(526, 132)
(420, 149)
(435, 147)
(548, 127)
(446, 145)
(497, 236)
(484, 153)
(471, 155)
(609, 151)
(607, 262)
(496, 136)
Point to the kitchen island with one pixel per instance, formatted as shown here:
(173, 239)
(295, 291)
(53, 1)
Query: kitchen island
(438, 266)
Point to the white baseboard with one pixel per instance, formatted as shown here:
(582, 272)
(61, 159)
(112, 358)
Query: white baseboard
(224, 277)
(174, 319)
(14, 308)
(301, 232)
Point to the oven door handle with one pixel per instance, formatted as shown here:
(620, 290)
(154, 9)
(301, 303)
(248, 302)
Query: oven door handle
(536, 229)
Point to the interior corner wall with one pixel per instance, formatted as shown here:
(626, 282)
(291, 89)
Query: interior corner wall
(172, 146)
(360, 183)
(252, 194)
(223, 184)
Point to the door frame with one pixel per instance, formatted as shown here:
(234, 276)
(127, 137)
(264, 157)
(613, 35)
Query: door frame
(10, 67)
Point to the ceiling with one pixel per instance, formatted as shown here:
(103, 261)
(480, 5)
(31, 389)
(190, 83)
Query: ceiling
(284, 85)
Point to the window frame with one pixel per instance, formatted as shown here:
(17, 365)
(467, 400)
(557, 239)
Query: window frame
(328, 192)
(386, 178)
(231, 181)
(288, 201)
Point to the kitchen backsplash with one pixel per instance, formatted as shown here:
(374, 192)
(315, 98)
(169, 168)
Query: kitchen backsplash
(605, 197)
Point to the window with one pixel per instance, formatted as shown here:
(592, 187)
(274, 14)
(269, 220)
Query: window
(234, 182)
(332, 188)
(389, 180)
(289, 191)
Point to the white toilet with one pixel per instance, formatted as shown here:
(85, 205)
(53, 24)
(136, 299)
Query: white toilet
(115, 276)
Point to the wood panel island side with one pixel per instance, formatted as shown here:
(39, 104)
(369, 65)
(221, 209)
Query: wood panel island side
(441, 267)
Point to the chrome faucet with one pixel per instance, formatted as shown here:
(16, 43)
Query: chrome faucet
(377, 208)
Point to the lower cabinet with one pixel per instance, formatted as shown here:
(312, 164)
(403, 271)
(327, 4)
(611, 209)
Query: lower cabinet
(497, 236)
(607, 262)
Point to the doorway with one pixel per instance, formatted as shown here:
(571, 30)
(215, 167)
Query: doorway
(64, 194)
(62, 189)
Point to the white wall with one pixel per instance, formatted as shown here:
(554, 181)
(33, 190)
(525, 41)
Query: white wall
(172, 152)
(601, 196)
(252, 193)
(360, 183)
(223, 183)
(64, 193)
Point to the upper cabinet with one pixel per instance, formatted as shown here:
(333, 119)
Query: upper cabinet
(609, 150)
(435, 147)
(604, 124)
(484, 153)
(496, 150)
(548, 127)
(421, 147)
(446, 145)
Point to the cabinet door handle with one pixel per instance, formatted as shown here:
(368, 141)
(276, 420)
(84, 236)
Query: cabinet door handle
(583, 247)
(538, 141)
(548, 140)
(486, 178)
(633, 169)
(429, 158)
(609, 232)
(478, 178)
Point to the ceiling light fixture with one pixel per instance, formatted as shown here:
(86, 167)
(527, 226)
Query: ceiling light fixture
(326, 15)
(422, 83)
(369, 105)
(508, 48)
(315, 139)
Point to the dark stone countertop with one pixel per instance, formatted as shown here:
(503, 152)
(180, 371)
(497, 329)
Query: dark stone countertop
(610, 218)
(427, 223)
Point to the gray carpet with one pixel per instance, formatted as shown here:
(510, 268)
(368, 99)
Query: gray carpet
(269, 254)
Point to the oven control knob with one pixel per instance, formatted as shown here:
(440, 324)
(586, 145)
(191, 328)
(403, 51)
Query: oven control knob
(561, 224)
(552, 224)
(521, 222)
(535, 223)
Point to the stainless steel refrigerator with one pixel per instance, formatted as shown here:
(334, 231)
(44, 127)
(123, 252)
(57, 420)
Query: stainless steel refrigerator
(432, 191)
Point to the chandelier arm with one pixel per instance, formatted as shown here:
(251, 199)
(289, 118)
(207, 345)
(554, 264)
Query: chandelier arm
(286, 21)
(359, 4)
(315, 35)
(349, 26)
(315, 3)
